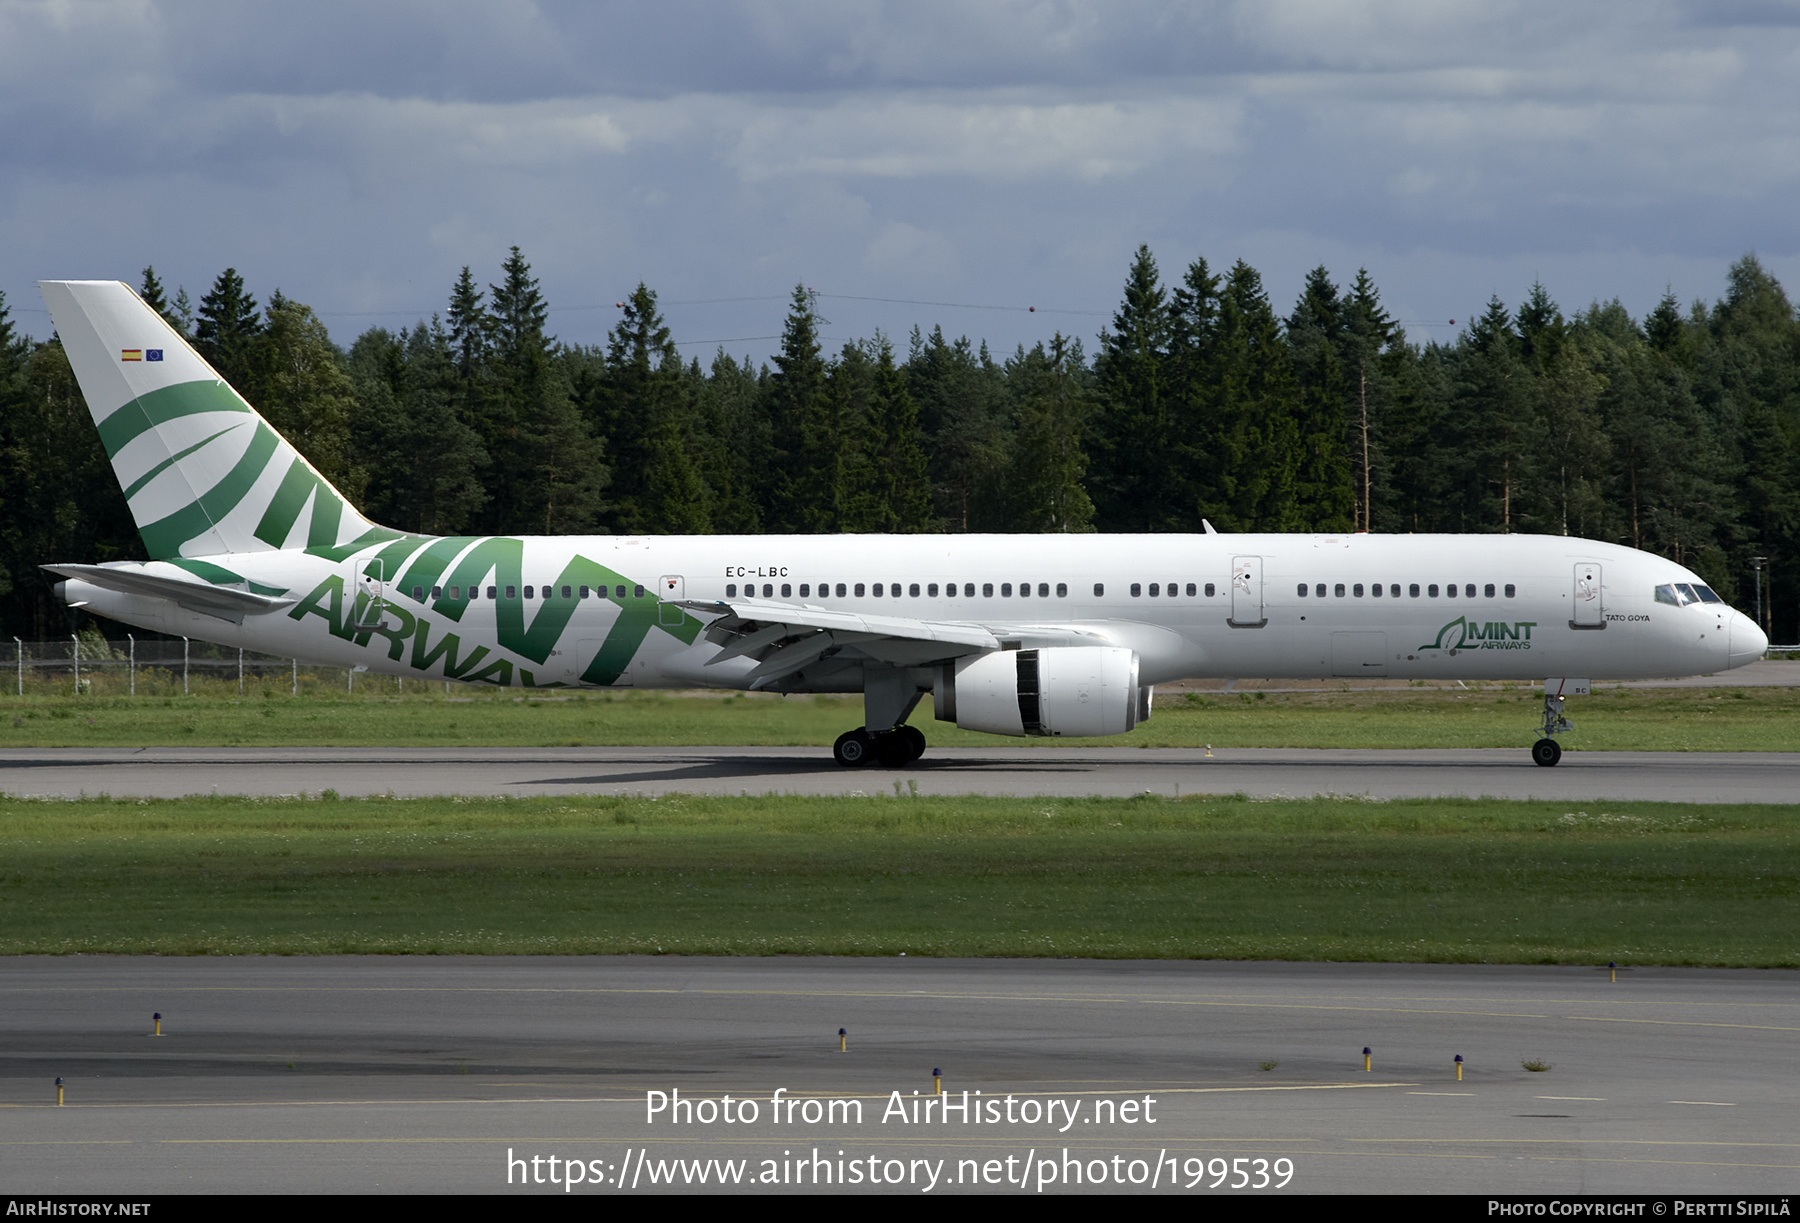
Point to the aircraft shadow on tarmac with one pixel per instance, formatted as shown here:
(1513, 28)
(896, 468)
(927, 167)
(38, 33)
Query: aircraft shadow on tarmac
(752, 767)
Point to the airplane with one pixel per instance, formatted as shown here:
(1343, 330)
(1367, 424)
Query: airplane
(1020, 635)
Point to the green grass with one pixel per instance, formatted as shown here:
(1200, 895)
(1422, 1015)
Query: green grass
(1490, 881)
(1643, 719)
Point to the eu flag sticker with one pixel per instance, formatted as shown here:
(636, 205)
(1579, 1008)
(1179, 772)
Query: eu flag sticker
(153, 354)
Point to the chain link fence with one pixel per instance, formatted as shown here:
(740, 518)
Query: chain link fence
(92, 665)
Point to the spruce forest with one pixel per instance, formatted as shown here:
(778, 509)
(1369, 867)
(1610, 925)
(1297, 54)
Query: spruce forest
(1677, 433)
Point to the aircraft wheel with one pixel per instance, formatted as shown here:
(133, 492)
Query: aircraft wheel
(894, 750)
(1546, 752)
(915, 742)
(853, 748)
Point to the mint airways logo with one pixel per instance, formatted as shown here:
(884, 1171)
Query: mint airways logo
(1465, 634)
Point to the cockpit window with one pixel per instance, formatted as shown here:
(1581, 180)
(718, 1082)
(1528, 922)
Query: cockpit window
(1666, 594)
(1686, 592)
(1706, 594)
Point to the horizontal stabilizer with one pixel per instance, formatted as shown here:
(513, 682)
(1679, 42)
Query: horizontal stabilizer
(225, 602)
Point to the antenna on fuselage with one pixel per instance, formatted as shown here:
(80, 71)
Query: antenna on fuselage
(1208, 526)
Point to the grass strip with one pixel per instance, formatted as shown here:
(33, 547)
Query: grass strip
(1623, 719)
(1203, 877)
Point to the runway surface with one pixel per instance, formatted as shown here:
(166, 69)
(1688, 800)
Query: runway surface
(1737, 777)
(420, 1075)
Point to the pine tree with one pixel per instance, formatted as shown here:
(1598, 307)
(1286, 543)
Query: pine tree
(886, 485)
(547, 473)
(641, 411)
(1135, 484)
(302, 390)
(1053, 403)
(1317, 335)
(152, 293)
(965, 417)
(227, 328)
(807, 489)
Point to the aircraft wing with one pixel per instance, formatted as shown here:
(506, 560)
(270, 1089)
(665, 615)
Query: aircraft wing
(225, 602)
(785, 637)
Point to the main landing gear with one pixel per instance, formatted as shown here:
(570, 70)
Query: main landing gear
(1547, 751)
(891, 749)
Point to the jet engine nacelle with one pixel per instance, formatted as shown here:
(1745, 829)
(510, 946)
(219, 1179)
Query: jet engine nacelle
(1065, 690)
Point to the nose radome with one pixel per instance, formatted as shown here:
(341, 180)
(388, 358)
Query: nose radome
(1748, 642)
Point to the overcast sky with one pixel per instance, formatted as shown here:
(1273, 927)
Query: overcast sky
(1002, 155)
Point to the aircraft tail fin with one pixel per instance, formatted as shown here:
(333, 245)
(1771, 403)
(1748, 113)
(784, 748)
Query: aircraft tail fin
(204, 474)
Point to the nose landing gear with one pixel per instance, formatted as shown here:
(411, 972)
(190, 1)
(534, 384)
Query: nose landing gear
(1547, 751)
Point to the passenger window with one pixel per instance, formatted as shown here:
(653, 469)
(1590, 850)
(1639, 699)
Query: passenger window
(530, 592)
(1062, 590)
(567, 592)
(768, 591)
(437, 592)
(877, 590)
(1319, 590)
(840, 592)
(456, 592)
(731, 590)
(1450, 591)
(1174, 589)
(1413, 590)
(968, 590)
(806, 589)
(512, 592)
(1509, 590)
(913, 590)
(1136, 590)
(1338, 590)
(1301, 590)
(1191, 590)
(1469, 590)
(637, 592)
(1154, 589)
(1487, 592)
(493, 593)
(987, 590)
(418, 594)
(1394, 590)
(1043, 590)
(1024, 590)
(1375, 590)
(931, 590)
(1006, 590)
(1099, 590)
(859, 590)
(1357, 590)
(787, 591)
(1432, 591)
(1209, 590)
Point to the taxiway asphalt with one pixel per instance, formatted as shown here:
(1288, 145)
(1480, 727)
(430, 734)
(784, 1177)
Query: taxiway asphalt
(1723, 777)
(431, 1074)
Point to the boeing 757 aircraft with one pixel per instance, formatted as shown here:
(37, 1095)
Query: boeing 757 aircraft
(1013, 635)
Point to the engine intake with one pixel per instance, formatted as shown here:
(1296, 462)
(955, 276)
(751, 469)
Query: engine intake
(1065, 690)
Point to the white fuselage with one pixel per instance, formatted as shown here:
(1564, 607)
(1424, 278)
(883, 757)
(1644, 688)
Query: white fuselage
(1524, 607)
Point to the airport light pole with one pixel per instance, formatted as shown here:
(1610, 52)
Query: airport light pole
(1757, 563)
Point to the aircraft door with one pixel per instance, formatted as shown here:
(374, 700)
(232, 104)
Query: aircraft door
(669, 588)
(365, 592)
(1590, 609)
(1246, 592)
